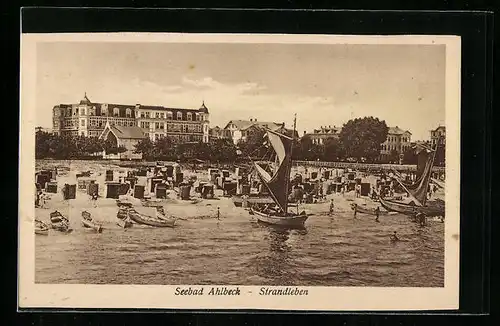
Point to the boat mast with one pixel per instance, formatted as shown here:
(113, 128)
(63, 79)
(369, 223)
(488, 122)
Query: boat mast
(289, 167)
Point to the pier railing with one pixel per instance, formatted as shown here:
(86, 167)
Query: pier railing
(366, 166)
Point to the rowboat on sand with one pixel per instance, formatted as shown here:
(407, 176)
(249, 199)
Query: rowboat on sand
(364, 210)
(123, 220)
(149, 220)
(41, 228)
(59, 222)
(89, 223)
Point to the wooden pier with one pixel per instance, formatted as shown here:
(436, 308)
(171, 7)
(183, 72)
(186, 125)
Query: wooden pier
(368, 167)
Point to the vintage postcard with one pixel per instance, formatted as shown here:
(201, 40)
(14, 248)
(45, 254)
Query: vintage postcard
(239, 171)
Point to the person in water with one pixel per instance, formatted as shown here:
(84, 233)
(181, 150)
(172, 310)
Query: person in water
(394, 237)
(377, 213)
(354, 206)
(421, 218)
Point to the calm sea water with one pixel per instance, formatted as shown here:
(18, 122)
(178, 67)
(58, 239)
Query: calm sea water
(338, 252)
(237, 250)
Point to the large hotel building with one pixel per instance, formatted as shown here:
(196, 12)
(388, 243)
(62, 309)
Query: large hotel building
(89, 119)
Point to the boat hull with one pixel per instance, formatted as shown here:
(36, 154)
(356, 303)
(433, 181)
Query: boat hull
(139, 219)
(92, 225)
(59, 222)
(125, 223)
(42, 231)
(61, 227)
(369, 211)
(411, 209)
(41, 228)
(284, 221)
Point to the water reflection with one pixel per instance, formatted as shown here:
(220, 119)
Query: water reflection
(277, 264)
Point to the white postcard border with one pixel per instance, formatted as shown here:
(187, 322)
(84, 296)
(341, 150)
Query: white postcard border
(31, 295)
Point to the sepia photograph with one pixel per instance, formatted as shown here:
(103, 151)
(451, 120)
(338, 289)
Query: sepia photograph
(239, 171)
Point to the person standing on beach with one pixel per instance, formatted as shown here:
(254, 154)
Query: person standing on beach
(331, 207)
(93, 198)
(377, 213)
(355, 206)
(420, 217)
(218, 214)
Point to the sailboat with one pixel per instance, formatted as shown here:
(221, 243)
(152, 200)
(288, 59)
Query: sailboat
(417, 191)
(277, 183)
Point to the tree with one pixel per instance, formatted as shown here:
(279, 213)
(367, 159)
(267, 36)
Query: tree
(253, 145)
(116, 150)
(410, 156)
(307, 150)
(42, 144)
(393, 156)
(146, 148)
(222, 150)
(440, 159)
(361, 138)
(164, 148)
(332, 150)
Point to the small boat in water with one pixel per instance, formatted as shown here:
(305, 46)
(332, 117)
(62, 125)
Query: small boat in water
(277, 184)
(148, 220)
(409, 209)
(89, 223)
(41, 228)
(417, 191)
(59, 222)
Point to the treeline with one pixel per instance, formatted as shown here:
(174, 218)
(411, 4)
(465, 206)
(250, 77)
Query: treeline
(48, 145)
(359, 141)
(167, 149)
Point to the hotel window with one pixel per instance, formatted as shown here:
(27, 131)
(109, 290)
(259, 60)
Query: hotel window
(169, 115)
(157, 115)
(142, 114)
(116, 112)
(128, 113)
(179, 115)
(189, 116)
(147, 115)
(131, 123)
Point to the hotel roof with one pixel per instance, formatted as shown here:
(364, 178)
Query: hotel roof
(245, 124)
(397, 131)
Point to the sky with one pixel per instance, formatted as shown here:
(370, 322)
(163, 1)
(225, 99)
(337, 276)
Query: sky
(324, 84)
